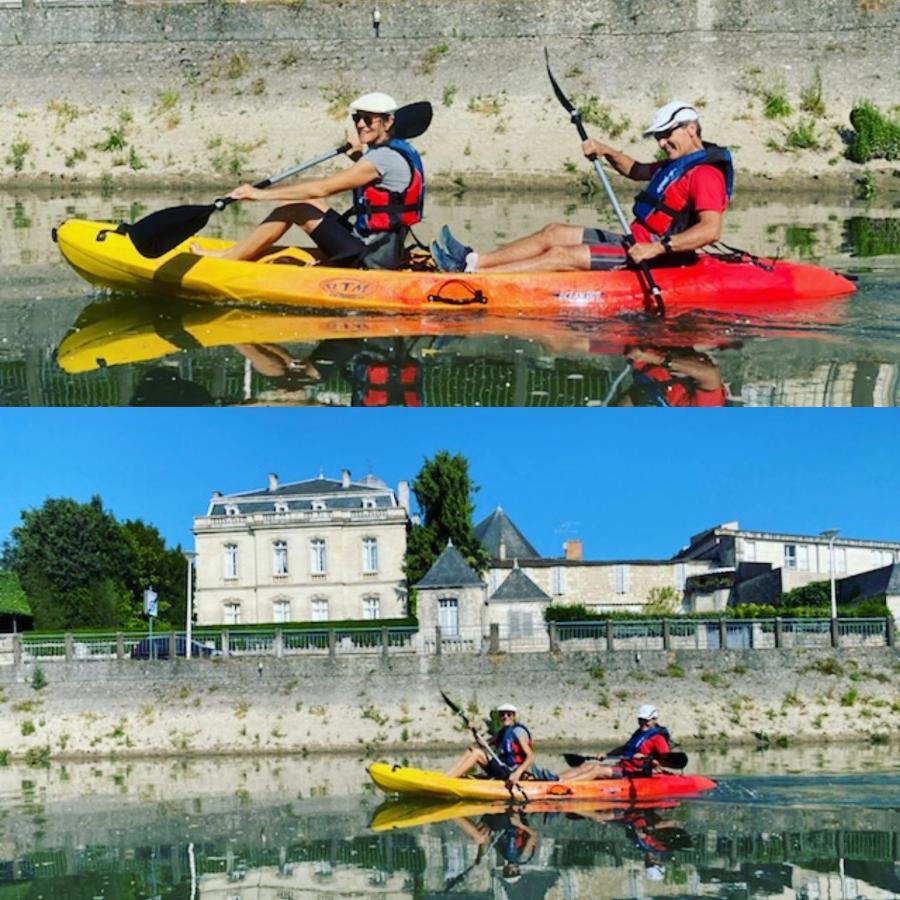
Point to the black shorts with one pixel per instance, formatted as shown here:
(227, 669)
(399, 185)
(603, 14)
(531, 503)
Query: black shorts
(496, 769)
(344, 247)
(605, 247)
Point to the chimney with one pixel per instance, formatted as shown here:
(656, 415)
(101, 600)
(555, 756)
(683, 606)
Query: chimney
(501, 550)
(572, 549)
(403, 495)
(273, 481)
(216, 494)
(345, 478)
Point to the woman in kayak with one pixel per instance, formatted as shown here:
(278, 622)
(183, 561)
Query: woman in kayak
(511, 756)
(680, 211)
(387, 180)
(636, 755)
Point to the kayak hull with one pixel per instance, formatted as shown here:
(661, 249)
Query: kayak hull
(286, 277)
(425, 783)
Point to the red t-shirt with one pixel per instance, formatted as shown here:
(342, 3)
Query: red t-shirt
(654, 744)
(703, 186)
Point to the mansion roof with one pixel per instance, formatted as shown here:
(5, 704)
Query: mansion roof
(314, 493)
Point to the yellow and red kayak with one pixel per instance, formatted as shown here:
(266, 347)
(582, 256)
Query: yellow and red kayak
(404, 780)
(288, 277)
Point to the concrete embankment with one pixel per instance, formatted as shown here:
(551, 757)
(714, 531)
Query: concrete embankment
(125, 93)
(392, 705)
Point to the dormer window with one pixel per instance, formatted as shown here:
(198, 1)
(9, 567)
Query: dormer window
(281, 506)
(368, 503)
(232, 510)
(318, 505)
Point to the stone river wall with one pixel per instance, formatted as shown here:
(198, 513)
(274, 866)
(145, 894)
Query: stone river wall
(215, 90)
(392, 706)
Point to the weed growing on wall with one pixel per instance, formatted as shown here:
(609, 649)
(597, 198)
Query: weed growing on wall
(875, 135)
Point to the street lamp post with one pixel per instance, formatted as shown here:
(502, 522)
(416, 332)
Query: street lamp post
(831, 534)
(189, 557)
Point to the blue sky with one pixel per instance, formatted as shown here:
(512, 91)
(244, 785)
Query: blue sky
(629, 483)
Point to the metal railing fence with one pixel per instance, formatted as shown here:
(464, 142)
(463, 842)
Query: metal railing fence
(564, 637)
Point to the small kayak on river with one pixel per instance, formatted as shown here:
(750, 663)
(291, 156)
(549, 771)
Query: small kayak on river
(405, 780)
(287, 276)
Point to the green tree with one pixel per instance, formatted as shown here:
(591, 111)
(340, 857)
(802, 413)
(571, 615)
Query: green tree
(444, 493)
(662, 601)
(72, 560)
(816, 593)
(162, 567)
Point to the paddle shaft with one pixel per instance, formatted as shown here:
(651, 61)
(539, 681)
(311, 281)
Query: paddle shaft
(670, 760)
(222, 202)
(627, 239)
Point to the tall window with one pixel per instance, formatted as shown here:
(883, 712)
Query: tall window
(279, 558)
(796, 556)
(232, 613)
(317, 556)
(622, 579)
(680, 575)
(448, 615)
(371, 607)
(749, 551)
(370, 554)
(231, 560)
(558, 577)
(281, 611)
(319, 610)
(882, 558)
(840, 560)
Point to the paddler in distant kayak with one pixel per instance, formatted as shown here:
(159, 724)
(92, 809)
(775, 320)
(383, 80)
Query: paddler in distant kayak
(511, 756)
(679, 211)
(636, 755)
(388, 184)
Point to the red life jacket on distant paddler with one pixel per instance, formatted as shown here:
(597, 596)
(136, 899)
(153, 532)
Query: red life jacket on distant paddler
(659, 208)
(377, 209)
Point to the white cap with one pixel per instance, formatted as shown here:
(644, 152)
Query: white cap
(506, 707)
(654, 873)
(647, 712)
(375, 102)
(670, 115)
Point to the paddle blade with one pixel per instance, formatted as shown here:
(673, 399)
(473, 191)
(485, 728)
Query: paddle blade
(412, 120)
(165, 229)
(669, 760)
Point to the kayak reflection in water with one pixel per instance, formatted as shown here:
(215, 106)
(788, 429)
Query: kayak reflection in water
(672, 376)
(680, 210)
(387, 181)
(636, 755)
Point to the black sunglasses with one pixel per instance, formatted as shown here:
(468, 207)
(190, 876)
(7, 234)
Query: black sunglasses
(368, 118)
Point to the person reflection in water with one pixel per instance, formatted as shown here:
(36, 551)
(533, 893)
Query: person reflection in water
(672, 376)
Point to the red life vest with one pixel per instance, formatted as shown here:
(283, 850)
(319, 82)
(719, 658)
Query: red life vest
(660, 209)
(387, 384)
(662, 388)
(377, 209)
(509, 748)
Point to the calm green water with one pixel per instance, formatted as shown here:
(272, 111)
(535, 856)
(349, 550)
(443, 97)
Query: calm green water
(64, 343)
(291, 827)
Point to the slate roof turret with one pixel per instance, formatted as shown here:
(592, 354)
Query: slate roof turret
(499, 529)
(450, 570)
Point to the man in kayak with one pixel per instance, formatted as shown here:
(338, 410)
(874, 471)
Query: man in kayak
(511, 754)
(636, 755)
(388, 185)
(680, 210)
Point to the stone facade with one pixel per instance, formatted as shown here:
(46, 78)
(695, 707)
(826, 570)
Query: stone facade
(311, 550)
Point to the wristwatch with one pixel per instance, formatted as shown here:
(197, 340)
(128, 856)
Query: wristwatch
(667, 244)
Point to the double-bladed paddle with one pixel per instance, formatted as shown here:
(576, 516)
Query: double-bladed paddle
(669, 760)
(627, 240)
(488, 749)
(165, 229)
